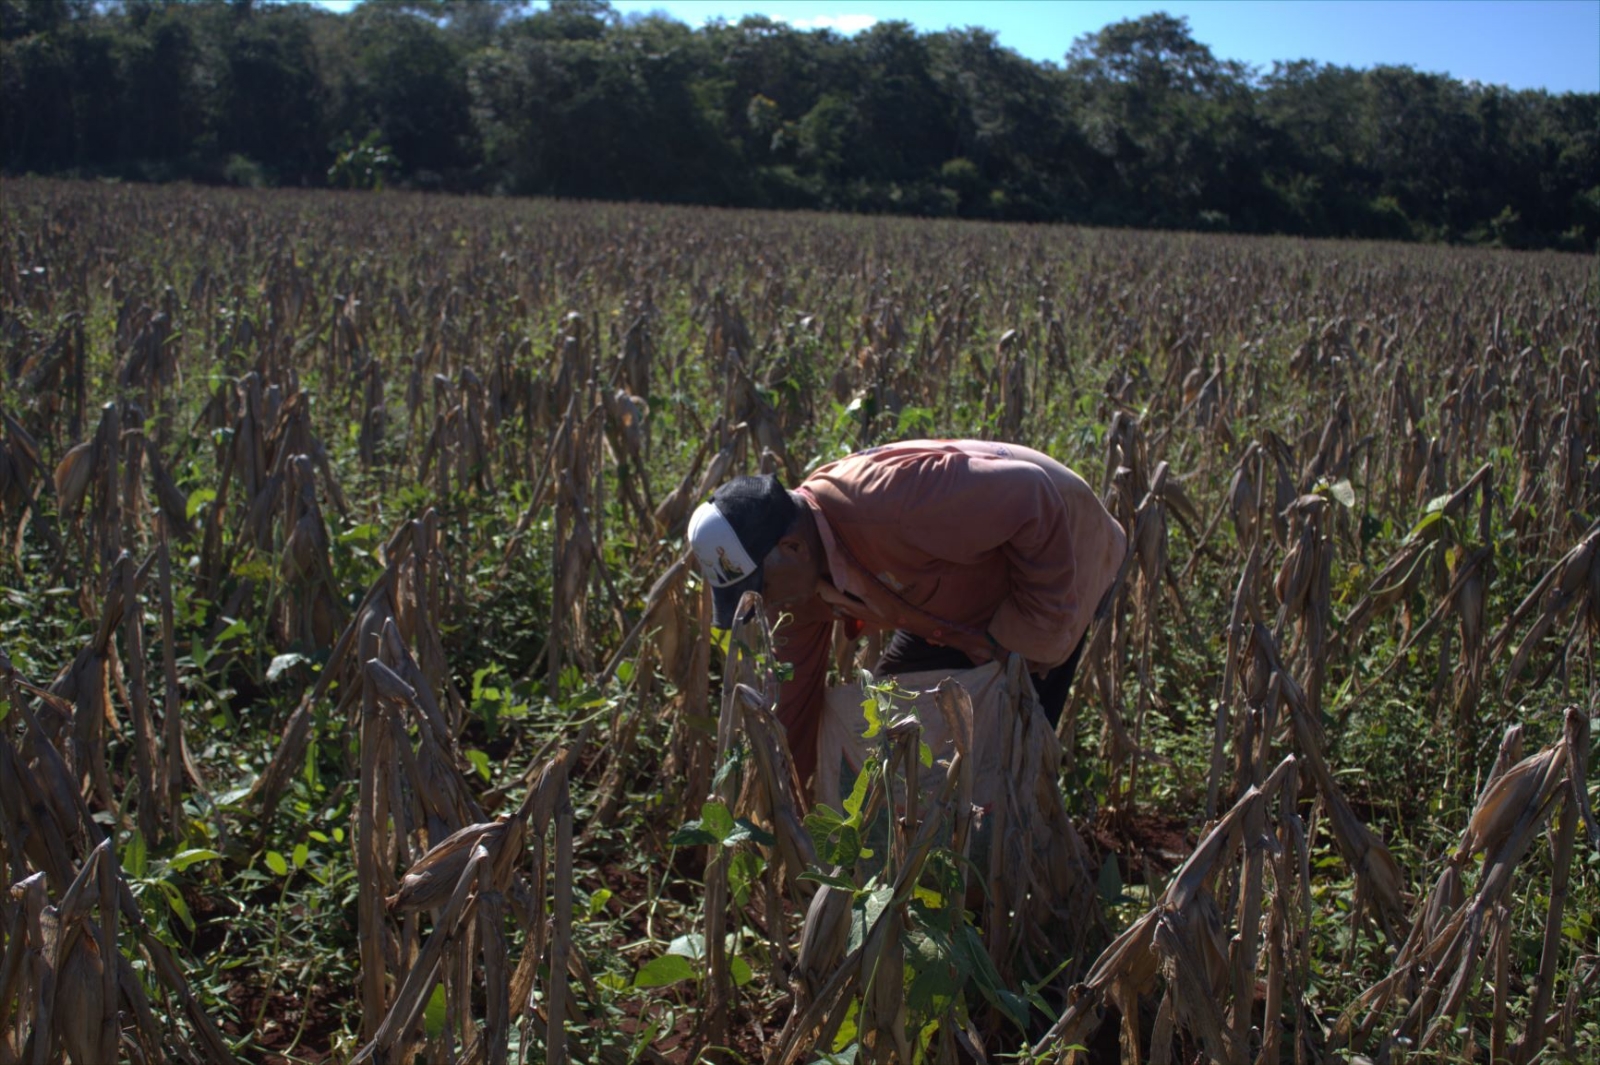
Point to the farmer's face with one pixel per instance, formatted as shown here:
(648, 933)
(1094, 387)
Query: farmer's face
(789, 574)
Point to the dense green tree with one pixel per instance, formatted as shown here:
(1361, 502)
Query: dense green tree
(271, 100)
(412, 87)
(161, 107)
(1140, 125)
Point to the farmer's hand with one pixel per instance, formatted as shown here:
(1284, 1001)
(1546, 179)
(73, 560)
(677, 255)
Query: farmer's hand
(980, 647)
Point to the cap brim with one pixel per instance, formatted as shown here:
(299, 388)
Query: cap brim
(725, 600)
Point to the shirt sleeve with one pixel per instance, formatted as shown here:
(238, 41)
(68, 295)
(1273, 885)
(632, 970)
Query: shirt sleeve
(966, 510)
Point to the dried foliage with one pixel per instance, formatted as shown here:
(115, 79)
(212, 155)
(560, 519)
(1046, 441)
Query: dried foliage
(369, 554)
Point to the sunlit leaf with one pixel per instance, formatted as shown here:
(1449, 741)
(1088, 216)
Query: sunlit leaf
(197, 499)
(434, 1013)
(664, 971)
(175, 901)
(692, 946)
(740, 971)
(194, 856)
(281, 664)
(715, 819)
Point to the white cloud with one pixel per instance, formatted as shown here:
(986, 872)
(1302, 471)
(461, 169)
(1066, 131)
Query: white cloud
(845, 24)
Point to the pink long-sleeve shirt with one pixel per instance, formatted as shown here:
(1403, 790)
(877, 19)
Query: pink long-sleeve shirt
(940, 537)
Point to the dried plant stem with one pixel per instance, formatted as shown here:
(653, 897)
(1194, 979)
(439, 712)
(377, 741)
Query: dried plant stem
(1544, 983)
(367, 863)
(561, 936)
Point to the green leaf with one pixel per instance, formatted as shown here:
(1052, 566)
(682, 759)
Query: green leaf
(925, 755)
(174, 899)
(837, 840)
(691, 946)
(858, 791)
(301, 855)
(197, 499)
(824, 817)
(745, 830)
(253, 569)
(664, 971)
(281, 664)
(940, 971)
(1422, 525)
(846, 1050)
(987, 977)
(433, 1014)
(276, 863)
(645, 1039)
(233, 796)
(480, 762)
(597, 902)
(743, 871)
(740, 970)
(365, 533)
(715, 819)
(868, 906)
(1343, 493)
(869, 710)
(843, 883)
(136, 856)
(194, 856)
(235, 628)
(730, 766)
(1110, 880)
(693, 834)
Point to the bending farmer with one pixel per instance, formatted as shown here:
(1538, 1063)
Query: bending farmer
(965, 550)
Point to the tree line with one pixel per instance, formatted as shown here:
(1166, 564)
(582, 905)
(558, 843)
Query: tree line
(1139, 125)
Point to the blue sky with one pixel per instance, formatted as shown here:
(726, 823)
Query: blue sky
(1526, 44)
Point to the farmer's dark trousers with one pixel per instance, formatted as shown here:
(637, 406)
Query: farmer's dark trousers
(908, 653)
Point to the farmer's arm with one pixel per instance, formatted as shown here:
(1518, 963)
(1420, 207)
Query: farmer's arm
(803, 642)
(965, 510)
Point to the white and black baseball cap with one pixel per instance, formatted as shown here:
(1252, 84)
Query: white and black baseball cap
(732, 534)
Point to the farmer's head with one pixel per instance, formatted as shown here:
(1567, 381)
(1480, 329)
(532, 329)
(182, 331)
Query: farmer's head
(755, 537)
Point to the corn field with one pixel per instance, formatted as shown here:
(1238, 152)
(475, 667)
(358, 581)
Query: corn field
(361, 703)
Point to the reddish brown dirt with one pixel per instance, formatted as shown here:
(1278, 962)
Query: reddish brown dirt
(1148, 846)
(275, 1038)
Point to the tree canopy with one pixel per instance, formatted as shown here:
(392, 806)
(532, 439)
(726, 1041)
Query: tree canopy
(1140, 125)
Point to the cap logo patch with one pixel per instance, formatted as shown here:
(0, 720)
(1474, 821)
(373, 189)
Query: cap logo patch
(727, 568)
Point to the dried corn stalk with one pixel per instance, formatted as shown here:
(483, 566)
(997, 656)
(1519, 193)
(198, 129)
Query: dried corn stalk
(1439, 556)
(1573, 582)
(56, 986)
(873, 970)
(1041, 909)
(1435, 973)
(412, 590)
(20, 480)
(1182, 946)
(1304, 590)
(1380, 886)
(408, 800)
